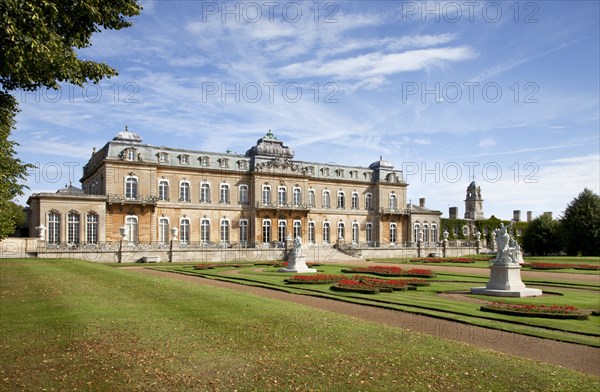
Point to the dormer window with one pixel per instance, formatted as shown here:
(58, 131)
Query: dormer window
(163, 157)
(131, 155)
(310, 169)
(223, 162)
(339, 173)
(204, 161)
(325, 171)
(184, 159)
(243, 165)
(354, 174)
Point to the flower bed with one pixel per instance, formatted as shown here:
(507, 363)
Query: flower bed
(204, 266)
(314, 279)
(396, 284)
(546, 266)
(462, 260)
(530, 310)
(355, 286)
(391, 271)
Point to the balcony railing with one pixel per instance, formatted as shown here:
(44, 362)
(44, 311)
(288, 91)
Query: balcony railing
(138, 199)
(395, 211)
(282, 206)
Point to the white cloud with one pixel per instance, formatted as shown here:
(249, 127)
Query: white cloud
(487, 142)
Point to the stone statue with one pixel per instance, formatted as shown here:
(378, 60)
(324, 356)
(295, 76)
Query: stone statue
(297, 246)
(41, 232)
(508, 249)
(445, 234)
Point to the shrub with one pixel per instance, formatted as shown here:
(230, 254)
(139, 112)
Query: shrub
(531, 310)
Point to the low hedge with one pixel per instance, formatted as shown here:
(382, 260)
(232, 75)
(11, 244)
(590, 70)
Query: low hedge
(359, 290)
(560, 316)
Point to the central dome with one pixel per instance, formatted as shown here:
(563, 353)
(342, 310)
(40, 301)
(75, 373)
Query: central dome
(269, 146)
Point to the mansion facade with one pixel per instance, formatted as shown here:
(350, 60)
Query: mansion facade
(141, 193)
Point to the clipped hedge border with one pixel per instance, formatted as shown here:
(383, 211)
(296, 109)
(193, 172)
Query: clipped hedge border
(288, 281)
(559, 316)
(358, 290)
(403, 274)
(596, 312)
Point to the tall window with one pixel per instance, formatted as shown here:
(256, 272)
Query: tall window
(266, 231)
(184, 191)
(131, 187)
(354, 201)
(326, 232)
(393, 233)
(326, 199)
(243, 232)
(434, 233)
(416, 228)
(92, 229)
(184, 231)
(355, 233)
(311, 198)
(341, 231)
(131, 223)
(163, 190)
(282, 196)
(205, 231)
(425, 232)
(297, 229)
(224, 231)
(205, 193)
(297, 196)
(224, 194)
(53, 228)
(163, 230)
(369, 233)
(311, 232)
(341, 200)
(282, 231)
(393, 201)
(73, 228)
(369, 201)
(243, 194)
(266, 195)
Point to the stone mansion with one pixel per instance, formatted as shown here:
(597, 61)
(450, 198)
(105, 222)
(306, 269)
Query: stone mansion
(139, 193)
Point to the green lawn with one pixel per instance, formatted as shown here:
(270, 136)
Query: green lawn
(70, 324)
(426, 300)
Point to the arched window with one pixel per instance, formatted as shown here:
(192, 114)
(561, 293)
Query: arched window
(73, 228)
(326, 199)
(369, 201)
(341, 231)
(369, 233)
(297, 229)
(393, 201)
(224, 231)
(243, 194)
(163, 230)
(393, 238)
(355, 233)
(282, 231)
(131, 224)
(53, 228)
(326, 232)
(355, 202)
(224, 194)
(311, 198)
(282, 195)
(341, 200)
(243, 232)
(92, 229)
(184, 231)
(205, 231)
(311, 232)
(434, 233)
(416, 228)
(184, 191)
(266, 231)
(297, 196)
(266, 194)
(163, 190)
(205, 192)
(131, 187)
(465, 231)
(425, 232)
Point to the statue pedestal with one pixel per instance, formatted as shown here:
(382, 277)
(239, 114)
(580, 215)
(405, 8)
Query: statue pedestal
(297, 264)
(505, 281)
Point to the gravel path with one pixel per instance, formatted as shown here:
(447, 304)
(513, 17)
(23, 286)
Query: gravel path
(572, 356)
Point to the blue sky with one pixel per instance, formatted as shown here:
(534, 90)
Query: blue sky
(505, 91)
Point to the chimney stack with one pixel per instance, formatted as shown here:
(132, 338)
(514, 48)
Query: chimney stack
(453, 212)
(548, 213)
(529, 216)
(517, 215)
(422, 202)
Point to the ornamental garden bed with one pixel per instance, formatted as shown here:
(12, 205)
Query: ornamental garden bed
(392, 271)
(546, 266)
(462, 260)
(529, 310)
(356, 286)
(314, 279)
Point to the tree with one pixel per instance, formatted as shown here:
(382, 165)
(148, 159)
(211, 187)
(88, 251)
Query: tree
(38, 40)
(580, 225)
(541, 236)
